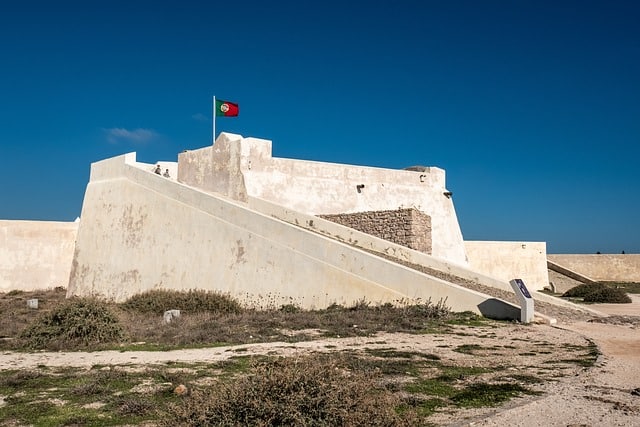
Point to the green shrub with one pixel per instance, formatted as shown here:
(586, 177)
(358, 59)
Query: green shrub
(310, 391)
(193, 301)
(608, 295)
(76, 323)
(582, 290)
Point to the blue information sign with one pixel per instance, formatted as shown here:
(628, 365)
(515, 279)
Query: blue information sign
(523, 288)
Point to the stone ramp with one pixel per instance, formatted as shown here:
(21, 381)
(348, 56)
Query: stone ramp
(547, 306)
(568, 272)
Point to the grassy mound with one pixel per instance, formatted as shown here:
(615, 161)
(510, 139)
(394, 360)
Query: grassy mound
(193, 301)
(77, 323)
(598, 293)
(311, 391)
(608, 295)
(583, 290)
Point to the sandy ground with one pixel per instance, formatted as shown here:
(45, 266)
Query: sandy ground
(597, 396)
(602, 395)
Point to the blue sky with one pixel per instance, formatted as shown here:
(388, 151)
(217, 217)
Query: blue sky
(531, 107)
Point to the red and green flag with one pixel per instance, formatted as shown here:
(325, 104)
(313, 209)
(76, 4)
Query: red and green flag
(226, 109)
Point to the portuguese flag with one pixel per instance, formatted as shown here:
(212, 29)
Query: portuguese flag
(226, 109)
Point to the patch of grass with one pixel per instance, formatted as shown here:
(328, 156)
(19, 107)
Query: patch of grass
(468, 348)
(386, 366)
(586, 359)
(459, 373)
(481, 394)
(61, 397)
(467, 318)
(431, 387)
(237, 364)
(428, 406)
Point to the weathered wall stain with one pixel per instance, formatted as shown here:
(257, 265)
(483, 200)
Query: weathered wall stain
(239, 252)
(132, 224)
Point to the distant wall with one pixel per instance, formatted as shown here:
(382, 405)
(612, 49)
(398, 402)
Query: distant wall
(602, 267)
(243, 168)
(406, 227)
(35, 254)
(510, 260)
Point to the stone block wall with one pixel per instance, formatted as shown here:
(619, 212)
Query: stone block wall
(406, 227)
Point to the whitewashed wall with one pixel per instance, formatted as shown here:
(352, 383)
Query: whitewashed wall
(511, 260)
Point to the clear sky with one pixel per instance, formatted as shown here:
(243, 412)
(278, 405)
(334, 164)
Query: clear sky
(531, 107)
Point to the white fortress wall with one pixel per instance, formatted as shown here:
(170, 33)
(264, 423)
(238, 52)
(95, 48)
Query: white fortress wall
(244, 167)
(511, 260)
(140, 231)
(35, 254)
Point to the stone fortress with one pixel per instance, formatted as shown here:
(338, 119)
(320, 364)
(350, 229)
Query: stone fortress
(232, 218)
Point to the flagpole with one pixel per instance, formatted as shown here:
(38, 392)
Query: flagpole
(214, 119)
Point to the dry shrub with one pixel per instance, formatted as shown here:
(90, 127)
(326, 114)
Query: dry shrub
(308, 391)
(193, 301)
(608, 295)
(77, 323)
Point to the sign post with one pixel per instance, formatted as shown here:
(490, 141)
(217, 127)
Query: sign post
(525, 300)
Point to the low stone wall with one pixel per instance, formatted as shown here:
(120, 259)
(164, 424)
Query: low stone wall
(602, 267)
(406, 227)
(35, 254)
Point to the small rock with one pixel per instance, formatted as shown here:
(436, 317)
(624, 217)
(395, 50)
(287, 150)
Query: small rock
(636, 391)
(169, 315)
(181, 390)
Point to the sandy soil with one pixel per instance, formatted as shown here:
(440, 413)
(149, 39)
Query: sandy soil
(597, 396)
(600, 396)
